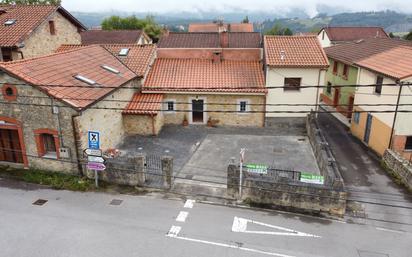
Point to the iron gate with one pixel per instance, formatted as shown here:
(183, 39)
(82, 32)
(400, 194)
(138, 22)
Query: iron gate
(153, 167)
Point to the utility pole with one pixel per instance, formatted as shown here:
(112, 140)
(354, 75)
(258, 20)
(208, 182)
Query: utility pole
(396, 113)
(242, 159)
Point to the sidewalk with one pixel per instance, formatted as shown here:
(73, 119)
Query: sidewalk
(340, 117)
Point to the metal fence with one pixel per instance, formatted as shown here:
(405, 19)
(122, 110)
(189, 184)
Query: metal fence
(153, 167)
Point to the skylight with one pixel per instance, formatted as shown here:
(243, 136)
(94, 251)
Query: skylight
(124, 52)
(9, 22)
(85, 80)
(108, 68)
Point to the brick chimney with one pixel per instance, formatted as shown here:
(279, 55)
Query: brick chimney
(224, 39)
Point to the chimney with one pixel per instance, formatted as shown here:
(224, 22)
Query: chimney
(217, 57)
(282, 55)
(224, 39)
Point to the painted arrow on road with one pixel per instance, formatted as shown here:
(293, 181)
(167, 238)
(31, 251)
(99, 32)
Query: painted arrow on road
(240, 226)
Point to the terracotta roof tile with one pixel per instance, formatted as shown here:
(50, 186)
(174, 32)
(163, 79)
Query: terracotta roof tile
(199, 75)
(111, 37)
(138, 59)
(209, 40)
(352, 52)
(214, 27)
(354, 33)
(299, 51)
(54, 74)
(28, 18)
(395, 62)
(146, 104)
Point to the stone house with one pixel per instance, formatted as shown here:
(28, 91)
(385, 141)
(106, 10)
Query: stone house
(34, 30)
(199, 86)
(138, 37)
(343, 70)
(330, 36)
(48, 104)
(291, 63)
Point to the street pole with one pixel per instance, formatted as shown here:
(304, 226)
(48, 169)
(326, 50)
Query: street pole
(242, 157)
(96, 179)
(396, 114)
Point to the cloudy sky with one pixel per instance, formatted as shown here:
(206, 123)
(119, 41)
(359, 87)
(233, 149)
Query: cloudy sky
(161, 6)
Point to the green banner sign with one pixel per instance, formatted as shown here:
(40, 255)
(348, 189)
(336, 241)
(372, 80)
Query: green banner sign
(311, 178)
(257, 168)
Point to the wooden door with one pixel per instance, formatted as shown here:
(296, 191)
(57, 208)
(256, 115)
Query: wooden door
(336, 97)
(197, 110)
(368, 129)
(350, 106)
(10, 147)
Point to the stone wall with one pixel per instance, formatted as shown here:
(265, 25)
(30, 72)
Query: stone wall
(135, 124)
(324, 157)
(287, 194)
(225, 103)
(41, 42)
(32, 111)
(400, 167)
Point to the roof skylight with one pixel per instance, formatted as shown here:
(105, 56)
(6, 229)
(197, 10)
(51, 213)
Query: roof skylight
(124, 51)
(108, 68)
(9, 22)
(85, 80)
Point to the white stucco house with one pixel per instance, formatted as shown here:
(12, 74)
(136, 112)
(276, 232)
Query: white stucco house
(330, 36)
(290, 64)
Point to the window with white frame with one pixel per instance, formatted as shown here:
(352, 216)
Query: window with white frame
(243, 106)
(170, 105)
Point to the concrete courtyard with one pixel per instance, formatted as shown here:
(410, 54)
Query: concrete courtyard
(203, 154)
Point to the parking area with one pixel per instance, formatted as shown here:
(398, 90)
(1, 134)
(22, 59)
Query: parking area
(203, 153)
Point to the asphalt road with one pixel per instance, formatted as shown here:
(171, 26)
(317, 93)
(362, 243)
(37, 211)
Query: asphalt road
(378, 200)
(86, 224)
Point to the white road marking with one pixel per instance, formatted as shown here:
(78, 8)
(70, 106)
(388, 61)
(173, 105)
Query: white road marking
(182, 216)
(390, 230)
(228, 246)
(240, 226)
(174, 231)
(189, 204)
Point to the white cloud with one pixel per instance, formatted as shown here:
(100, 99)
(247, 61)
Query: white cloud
(265, 5)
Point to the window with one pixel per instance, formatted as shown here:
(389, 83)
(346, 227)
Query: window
(356, 117)
(243, 106)
(292, 84)
(9, 92)
(47, 142)
(329, 88)
(6, 54)
(9, 22)
(335, 67)
(85, 80)
(378, 87)
(108, 68)
(124, 52)
(170, 105)
(323, 35)
(52, 28)
(345, 71)
(408, 143)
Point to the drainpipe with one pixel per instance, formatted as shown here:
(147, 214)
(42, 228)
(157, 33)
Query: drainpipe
(396, 113)
(76, 134)
(317, 95)
(153, 124)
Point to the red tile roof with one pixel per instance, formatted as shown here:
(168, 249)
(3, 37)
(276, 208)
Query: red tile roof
(354, 33)
(352, 52)
(146, 104)
(138, 59)
(54, 74)
(299, 51)
(111, 37)
(214, 27)
(395, 62)
(28, 18)
(199, 75)
(209, 40)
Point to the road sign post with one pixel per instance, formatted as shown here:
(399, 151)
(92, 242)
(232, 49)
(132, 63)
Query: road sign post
(94, 153)
(242, 158)
(94, 139)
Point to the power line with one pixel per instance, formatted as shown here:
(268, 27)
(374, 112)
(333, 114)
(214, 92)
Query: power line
(205, 103)
(205, 111)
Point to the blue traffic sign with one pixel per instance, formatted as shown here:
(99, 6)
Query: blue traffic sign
(94, 140)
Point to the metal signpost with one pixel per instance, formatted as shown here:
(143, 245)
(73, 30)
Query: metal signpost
(242, 159)
(95, 161)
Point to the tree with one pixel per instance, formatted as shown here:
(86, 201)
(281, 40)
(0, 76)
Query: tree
(148, 25)
(51, 2)
(408, 36)
(277, 29)
(391, 35)
(245, 20)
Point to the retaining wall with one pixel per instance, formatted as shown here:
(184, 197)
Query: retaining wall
(399, 166)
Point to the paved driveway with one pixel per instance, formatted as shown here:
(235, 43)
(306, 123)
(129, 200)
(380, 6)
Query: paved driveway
(203, 153)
